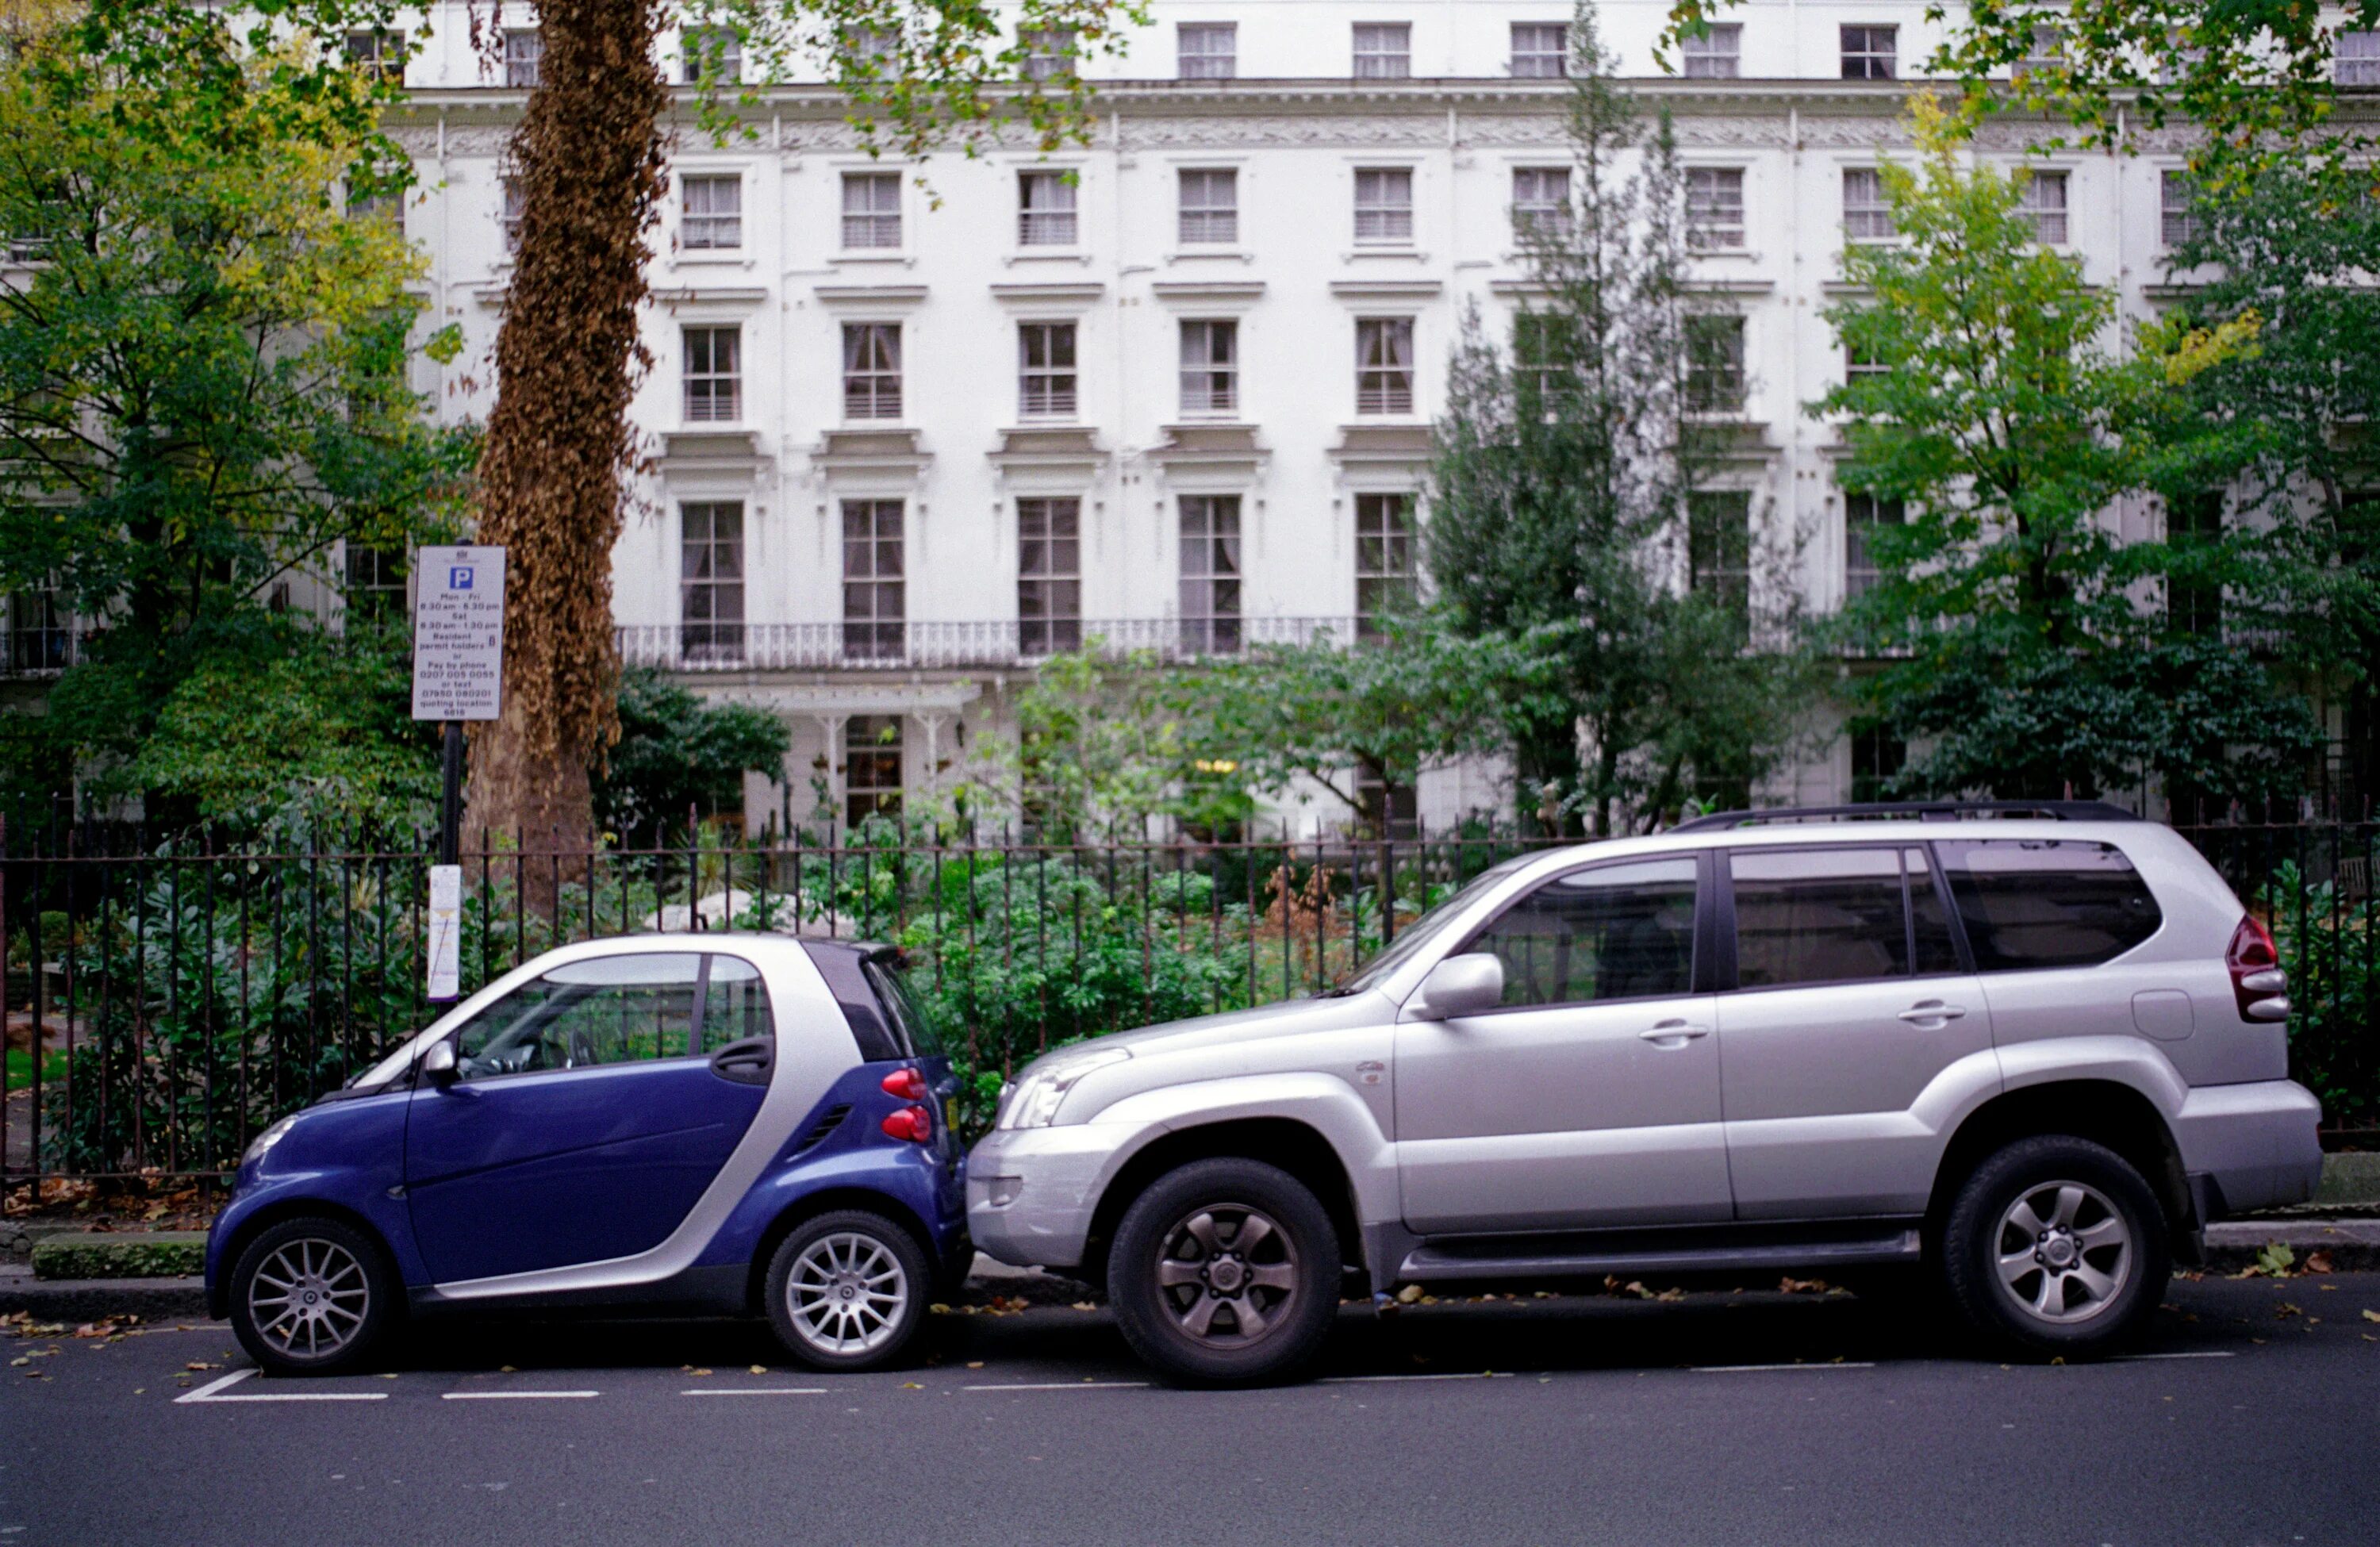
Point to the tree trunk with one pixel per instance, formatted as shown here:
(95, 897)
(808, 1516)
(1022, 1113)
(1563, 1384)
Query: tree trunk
(587, 157)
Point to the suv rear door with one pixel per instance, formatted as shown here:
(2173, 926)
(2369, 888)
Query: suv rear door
(1849, 999)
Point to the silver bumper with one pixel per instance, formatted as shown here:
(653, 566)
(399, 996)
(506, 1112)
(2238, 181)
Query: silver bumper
(1031, 1192)
(2249, 1146)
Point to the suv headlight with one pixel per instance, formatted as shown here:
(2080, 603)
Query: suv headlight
(1037, 1097)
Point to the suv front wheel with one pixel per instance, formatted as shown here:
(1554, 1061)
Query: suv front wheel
(2055, 1245)
(1225, 1273)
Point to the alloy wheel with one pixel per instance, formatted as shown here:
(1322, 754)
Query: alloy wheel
(846, 1294)
(1228, 1274)
(2063, 1252)
(310, 1298)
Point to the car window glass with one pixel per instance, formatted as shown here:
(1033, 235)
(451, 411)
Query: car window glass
(605, 1010)
(1929, 921)
(892, 986)
(1615, 932)
(1414, 937)
(1819, 916)
(735, 1003)
(2046, 902)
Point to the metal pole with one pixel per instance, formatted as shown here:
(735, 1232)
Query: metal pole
(450, 807)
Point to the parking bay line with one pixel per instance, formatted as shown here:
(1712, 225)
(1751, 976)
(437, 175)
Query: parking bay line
(2184, 1354)
(1064, 1385)
(211, 1393)
(514, 1395)
(1449, 1375)
(755, 1391)
(1754, 1368)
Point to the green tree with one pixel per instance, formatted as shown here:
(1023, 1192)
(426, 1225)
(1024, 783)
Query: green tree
(1567, 513)
(678, 752)
(2009, 618)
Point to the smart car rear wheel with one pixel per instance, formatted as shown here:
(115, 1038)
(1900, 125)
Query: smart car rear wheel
(848, 1290)
(312, 1297)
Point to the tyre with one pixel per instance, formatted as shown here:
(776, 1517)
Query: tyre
(1225, 1273)
(2055, 1245)
(312, 1296)
(848, 1290)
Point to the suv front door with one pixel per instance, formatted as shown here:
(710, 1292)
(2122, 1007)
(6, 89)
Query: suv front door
(1590, 1097)
(1848, 1008)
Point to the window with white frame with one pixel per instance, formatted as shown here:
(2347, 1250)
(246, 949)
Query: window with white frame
(524, 49)
(718, 47)
(1045, 209)
(875, 581)
(1544, 355)
(868, 51)
(1045, 362)
(2178, 208)
(1540, 201)
(1384, 365)
(714, 385)
(1210, 573)
(1870, 52)
(1206, 50)
(1383, 50)
(1858, 367)
(1384, 207)
(1387, 573)
(1867, 215)
(871, 767)
(1718, 55)
(1048, 575)
(871, 371)
(1210, 206)
(1719, 550)
(377, 52)
(711, 213)
(515, 206)
(1541, 49)
(2044, 52)
(2357, 62)
(382, 204)
(1715, 378)
(871, 209)
(1862, 513)
(1210, 366)
(2044, 205)
(40, 638)
(1715, 207)
(1049, 54)
(375, 586)
(710, 580)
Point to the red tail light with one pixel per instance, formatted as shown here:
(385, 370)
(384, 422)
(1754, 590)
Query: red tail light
(914, 1123)
(908, 1084)
(2257, 982)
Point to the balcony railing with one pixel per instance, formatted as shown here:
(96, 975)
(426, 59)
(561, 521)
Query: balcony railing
(699, 647)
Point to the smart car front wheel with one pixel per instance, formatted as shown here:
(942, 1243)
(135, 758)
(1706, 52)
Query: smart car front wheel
(312, 1297)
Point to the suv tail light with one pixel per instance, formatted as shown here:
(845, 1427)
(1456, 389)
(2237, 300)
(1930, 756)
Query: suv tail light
(2257, 981)
(909, 1084)
(914, 1123)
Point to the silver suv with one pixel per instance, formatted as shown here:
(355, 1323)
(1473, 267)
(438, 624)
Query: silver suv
(2032, 1050)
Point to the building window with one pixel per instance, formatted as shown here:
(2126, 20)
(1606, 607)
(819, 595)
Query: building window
(867, 51)
(1862, 513)
(1045, 209)
(710, 580)
(1207, 50)
(524, 52)
(714, 375)
(1210, 205)
(1386, 810)
(1867, 216)
(1386, 573)
(516, 208)
(1715, 207)
(871, 209)
(1877, 758)
(378, 54)
(1718, 55)
(1858, 367)
(39, 640)
(387, 204)
(1719, 551)
(2178, 208)
(1545, 354)
(1210, 574)
(1048, 575)
(1384, 365)
(1870, 52)
(2044, 53)
(2193, 523)
(2044, 205)
(1540, 202)
(871, 767)
(2358, 62)
(1045, 360)
(875, 599)
(375, 588)
(1715, 382)
(717, 46)
(1383, 50)
(871, 371)
(1210, 366)
(1049, 54)
(1541, 49)
(712, 216)
(1384, 204)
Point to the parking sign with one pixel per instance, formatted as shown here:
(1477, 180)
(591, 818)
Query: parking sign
(459, 634)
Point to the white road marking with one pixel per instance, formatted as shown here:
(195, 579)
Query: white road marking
(755, 1391)
(1064, 1385)
(2189, 1354)
(511, 1395)
(208, 1393)
(1452, 1375)
(1749, 1368)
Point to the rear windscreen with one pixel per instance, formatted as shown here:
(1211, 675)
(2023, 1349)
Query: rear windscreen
(2032, 903)
(909, 1014)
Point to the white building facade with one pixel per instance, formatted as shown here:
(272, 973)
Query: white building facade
(1172, 387)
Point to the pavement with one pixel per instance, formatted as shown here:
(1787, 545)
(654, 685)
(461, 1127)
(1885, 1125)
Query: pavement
(2249, 1413)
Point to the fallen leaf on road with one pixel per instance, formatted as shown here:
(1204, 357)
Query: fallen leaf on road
(2371, 1315)
(1084, 1304)
(2317, 1262)
(697, 1371)
(1412, 1292)
(198, 1364)
(911, 1385)
(760, 1369)
(975, 1364)
(2283, 1311)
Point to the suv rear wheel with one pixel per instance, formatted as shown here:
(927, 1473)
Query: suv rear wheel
(2055, 1245)
(1225, 1273)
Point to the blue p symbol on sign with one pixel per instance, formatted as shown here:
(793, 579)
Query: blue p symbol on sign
(458, 579)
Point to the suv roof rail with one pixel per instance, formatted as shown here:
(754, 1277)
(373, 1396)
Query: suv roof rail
(1923, 811)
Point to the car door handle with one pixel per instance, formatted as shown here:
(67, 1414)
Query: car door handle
(1939, 1014)
(1672, 1033)
(748, 1062)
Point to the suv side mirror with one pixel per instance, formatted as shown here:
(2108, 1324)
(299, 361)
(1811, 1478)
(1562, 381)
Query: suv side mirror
(438, 1064)
(1459, 986)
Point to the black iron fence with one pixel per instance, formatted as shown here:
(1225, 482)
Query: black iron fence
(162, 1007)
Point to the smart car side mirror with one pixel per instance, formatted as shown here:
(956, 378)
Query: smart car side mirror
(438, 1064)
(1464, 985)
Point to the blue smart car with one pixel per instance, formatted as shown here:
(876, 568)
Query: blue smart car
(697, 1123)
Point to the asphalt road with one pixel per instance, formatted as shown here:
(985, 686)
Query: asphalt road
(2251, 1414)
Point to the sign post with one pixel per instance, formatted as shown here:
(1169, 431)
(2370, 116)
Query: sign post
(458, 674)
